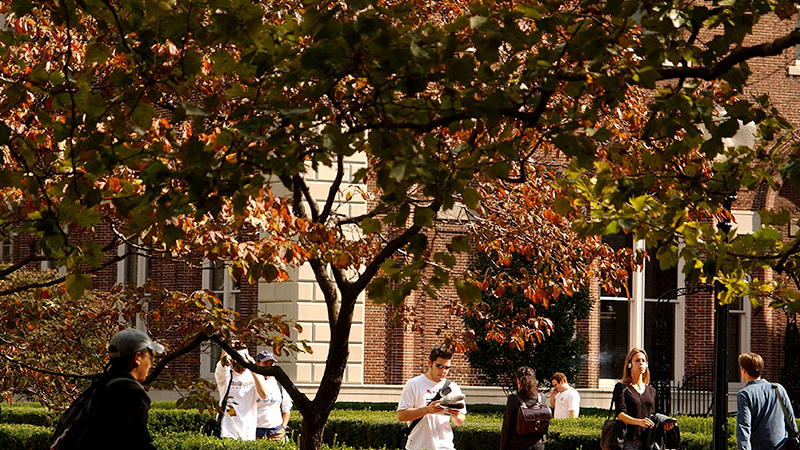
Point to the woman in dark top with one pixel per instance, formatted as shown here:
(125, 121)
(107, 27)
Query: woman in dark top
(527, 392)
(635, 398)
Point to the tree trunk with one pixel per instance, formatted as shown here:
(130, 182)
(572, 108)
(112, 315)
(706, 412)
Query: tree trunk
(312, 429)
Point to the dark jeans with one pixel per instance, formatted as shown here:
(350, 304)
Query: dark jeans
(267, 432)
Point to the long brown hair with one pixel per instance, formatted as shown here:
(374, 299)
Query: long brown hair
(626, 371)
(528, 385)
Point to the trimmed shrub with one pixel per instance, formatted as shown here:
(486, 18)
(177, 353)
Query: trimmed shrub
(347, 428)
(30, 415)
(163, 421)
(163, 405)
(24, 437)
(31, 437)
(195, 441)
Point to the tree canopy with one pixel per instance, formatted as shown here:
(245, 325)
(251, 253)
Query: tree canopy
(182, 121)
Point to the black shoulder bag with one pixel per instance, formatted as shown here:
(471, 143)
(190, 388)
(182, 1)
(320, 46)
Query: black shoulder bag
(213, 427)
(402, 439)
(793, 442)
(612, 435)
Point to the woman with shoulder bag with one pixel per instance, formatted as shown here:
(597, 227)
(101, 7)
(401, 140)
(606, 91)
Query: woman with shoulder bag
(528, 394)
(636, 399)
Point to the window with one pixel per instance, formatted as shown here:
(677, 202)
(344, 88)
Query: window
(613, 337)
(641, 321)
(5, 251)
(217, 279)
(134, 269)
(795, 69)
(738, 338)
(52, 264)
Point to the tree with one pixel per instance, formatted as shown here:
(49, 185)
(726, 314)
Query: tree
(498, 357)
(180, 121)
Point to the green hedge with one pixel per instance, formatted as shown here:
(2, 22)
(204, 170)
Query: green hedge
(360, 428)
(32, 437)
(161, 420)
(28, 414)
(24, 437)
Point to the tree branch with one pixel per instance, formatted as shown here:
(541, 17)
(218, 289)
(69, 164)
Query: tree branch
(185, 348)
(773, 48)
(387, 251)
(299, 186)
(58, 280)
(332, 298)
(300, 400)
(45, 371)
(334, 189)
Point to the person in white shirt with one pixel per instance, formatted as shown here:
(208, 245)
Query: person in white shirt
(433, 432)
(564, 399)
(275, 410)
(239, 420)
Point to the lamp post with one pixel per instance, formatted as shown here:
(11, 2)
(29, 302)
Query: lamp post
(720, 433)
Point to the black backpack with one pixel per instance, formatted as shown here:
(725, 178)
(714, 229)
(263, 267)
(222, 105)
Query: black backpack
(73, 426)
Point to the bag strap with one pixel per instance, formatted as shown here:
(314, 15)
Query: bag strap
(792, 431)
(435, 397)
(611, 406)
(118, 379)
(225, 399)
(523, 404)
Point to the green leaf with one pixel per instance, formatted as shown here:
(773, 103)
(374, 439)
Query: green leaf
(461, 244)
(418, 244)
(562, 206)
(5, 133)
(477, 22)
(445, 258)
(77, 283)
(467, 291)
(192, 110)
(423, 217)
(471, 198)
(398, 171)
(371, 226)
(172, 234)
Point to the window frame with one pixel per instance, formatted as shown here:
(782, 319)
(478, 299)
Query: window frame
(636, 315)
(229, 288)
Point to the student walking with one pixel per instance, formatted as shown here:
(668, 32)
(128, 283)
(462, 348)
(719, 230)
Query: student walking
(760, 420)
(422, 399)
(635, 403)
(527, 394)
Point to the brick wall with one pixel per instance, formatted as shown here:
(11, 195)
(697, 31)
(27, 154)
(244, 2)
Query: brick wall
(395, 352)
(165, 272)
(590, 328)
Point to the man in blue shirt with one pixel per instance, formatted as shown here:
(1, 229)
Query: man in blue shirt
(760, 424)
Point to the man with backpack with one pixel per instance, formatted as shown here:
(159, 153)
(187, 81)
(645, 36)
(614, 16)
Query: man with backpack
(113, 411)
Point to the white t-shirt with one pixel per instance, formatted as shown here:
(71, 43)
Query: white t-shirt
(433, 432)
(242, 399)
(567, 401)
(271, 409)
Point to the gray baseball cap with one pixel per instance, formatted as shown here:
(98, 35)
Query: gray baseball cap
(265, 355)
(130, 341)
